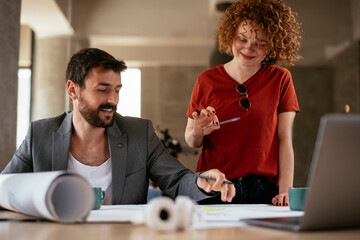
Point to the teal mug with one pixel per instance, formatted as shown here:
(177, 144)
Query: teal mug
(99, 197)
(297, 198)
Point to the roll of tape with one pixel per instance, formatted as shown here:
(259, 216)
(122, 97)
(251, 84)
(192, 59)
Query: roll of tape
(185, 209)
(160, 214)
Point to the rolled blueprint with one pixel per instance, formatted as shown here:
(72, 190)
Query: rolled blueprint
(58, 196)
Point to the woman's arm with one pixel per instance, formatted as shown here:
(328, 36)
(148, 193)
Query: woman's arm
(190, 138)
(286, 158)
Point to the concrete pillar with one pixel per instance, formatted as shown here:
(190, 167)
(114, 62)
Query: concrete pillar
(9, 45)
(49, 88)
(49, 77)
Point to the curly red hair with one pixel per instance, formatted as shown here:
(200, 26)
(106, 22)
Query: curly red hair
(274, 18)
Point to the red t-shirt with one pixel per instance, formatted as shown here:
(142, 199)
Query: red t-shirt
(250, 145)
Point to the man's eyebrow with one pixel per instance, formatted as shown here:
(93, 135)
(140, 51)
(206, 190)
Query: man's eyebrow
(104, 84)
(109, 85)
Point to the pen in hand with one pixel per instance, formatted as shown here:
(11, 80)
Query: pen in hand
(213, 179)
(224, 122)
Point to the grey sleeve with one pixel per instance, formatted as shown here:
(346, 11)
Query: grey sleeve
(22, 160)
(168, 173)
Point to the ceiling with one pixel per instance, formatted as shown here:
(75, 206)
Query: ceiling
(173, 32)
(45, 18)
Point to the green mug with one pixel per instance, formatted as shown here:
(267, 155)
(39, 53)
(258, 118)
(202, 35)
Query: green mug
(99, 197)
(297, 198)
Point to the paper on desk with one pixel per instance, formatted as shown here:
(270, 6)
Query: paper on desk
(237, 212)
(231, 215)
(205, 216)
(57, 196)
(118, 213)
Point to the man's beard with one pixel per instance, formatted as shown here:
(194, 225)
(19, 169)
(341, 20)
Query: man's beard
(92, 115)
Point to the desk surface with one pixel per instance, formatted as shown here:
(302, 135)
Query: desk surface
(13, 230)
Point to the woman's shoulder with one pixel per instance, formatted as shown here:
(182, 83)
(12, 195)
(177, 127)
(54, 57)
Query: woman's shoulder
(211, 75)
(276, 69)
(276, 72)
(217, 70)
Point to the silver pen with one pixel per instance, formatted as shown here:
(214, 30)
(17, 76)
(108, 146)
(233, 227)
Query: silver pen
(224, 122)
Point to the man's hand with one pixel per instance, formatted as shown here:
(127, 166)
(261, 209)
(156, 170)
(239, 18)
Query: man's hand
(227, 190)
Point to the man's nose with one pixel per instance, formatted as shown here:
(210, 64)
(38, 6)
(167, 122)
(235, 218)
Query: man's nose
(113, 98)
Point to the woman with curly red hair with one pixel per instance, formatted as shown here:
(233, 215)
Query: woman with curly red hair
(256, 153)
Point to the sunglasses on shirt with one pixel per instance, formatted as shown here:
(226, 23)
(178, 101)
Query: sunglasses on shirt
(244, 102)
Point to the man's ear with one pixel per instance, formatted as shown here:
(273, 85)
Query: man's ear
(72, 89)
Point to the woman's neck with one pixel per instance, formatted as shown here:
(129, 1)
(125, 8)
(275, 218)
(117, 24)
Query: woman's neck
(240, 73)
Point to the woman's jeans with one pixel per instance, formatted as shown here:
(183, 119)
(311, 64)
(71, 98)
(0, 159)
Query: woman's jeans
(249, 189)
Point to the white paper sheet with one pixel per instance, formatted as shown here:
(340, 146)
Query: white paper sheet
(205, 216)
(118, 213)
(57, 196)
(212, 216)
(237, 212)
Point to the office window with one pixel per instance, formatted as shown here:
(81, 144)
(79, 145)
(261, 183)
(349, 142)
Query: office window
(23, 104)
(130, 94)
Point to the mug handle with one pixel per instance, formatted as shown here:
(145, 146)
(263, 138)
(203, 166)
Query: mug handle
(102, 195)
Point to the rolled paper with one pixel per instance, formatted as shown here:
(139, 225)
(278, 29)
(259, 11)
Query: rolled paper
(58, 196)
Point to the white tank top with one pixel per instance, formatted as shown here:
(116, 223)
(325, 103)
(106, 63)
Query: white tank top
(98, 176)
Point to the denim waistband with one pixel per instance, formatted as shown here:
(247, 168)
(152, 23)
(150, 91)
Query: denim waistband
(250, 178)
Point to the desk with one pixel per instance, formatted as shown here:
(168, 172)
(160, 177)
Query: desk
(14, 230)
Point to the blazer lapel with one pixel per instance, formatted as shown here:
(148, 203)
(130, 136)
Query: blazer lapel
(117, 141)
(61, 144)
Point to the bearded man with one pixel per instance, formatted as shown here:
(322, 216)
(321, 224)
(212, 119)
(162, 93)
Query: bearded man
(118, 154)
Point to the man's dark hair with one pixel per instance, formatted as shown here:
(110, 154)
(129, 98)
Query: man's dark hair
(87, 58)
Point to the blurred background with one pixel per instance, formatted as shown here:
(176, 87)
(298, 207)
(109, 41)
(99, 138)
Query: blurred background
(166, 44)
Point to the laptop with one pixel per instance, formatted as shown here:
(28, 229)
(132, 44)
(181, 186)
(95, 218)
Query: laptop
(333, 200)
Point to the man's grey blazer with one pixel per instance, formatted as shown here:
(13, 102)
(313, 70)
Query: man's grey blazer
(137, 154)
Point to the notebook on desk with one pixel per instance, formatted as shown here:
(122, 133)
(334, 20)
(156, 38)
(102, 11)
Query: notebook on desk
(333, 200)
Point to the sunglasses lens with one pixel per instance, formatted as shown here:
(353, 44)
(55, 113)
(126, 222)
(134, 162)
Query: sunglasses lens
(245, 103)
(241, 88)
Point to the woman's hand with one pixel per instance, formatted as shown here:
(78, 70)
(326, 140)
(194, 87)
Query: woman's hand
(282, 199)
(195, 132)
(204, 118)
(227, 190)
